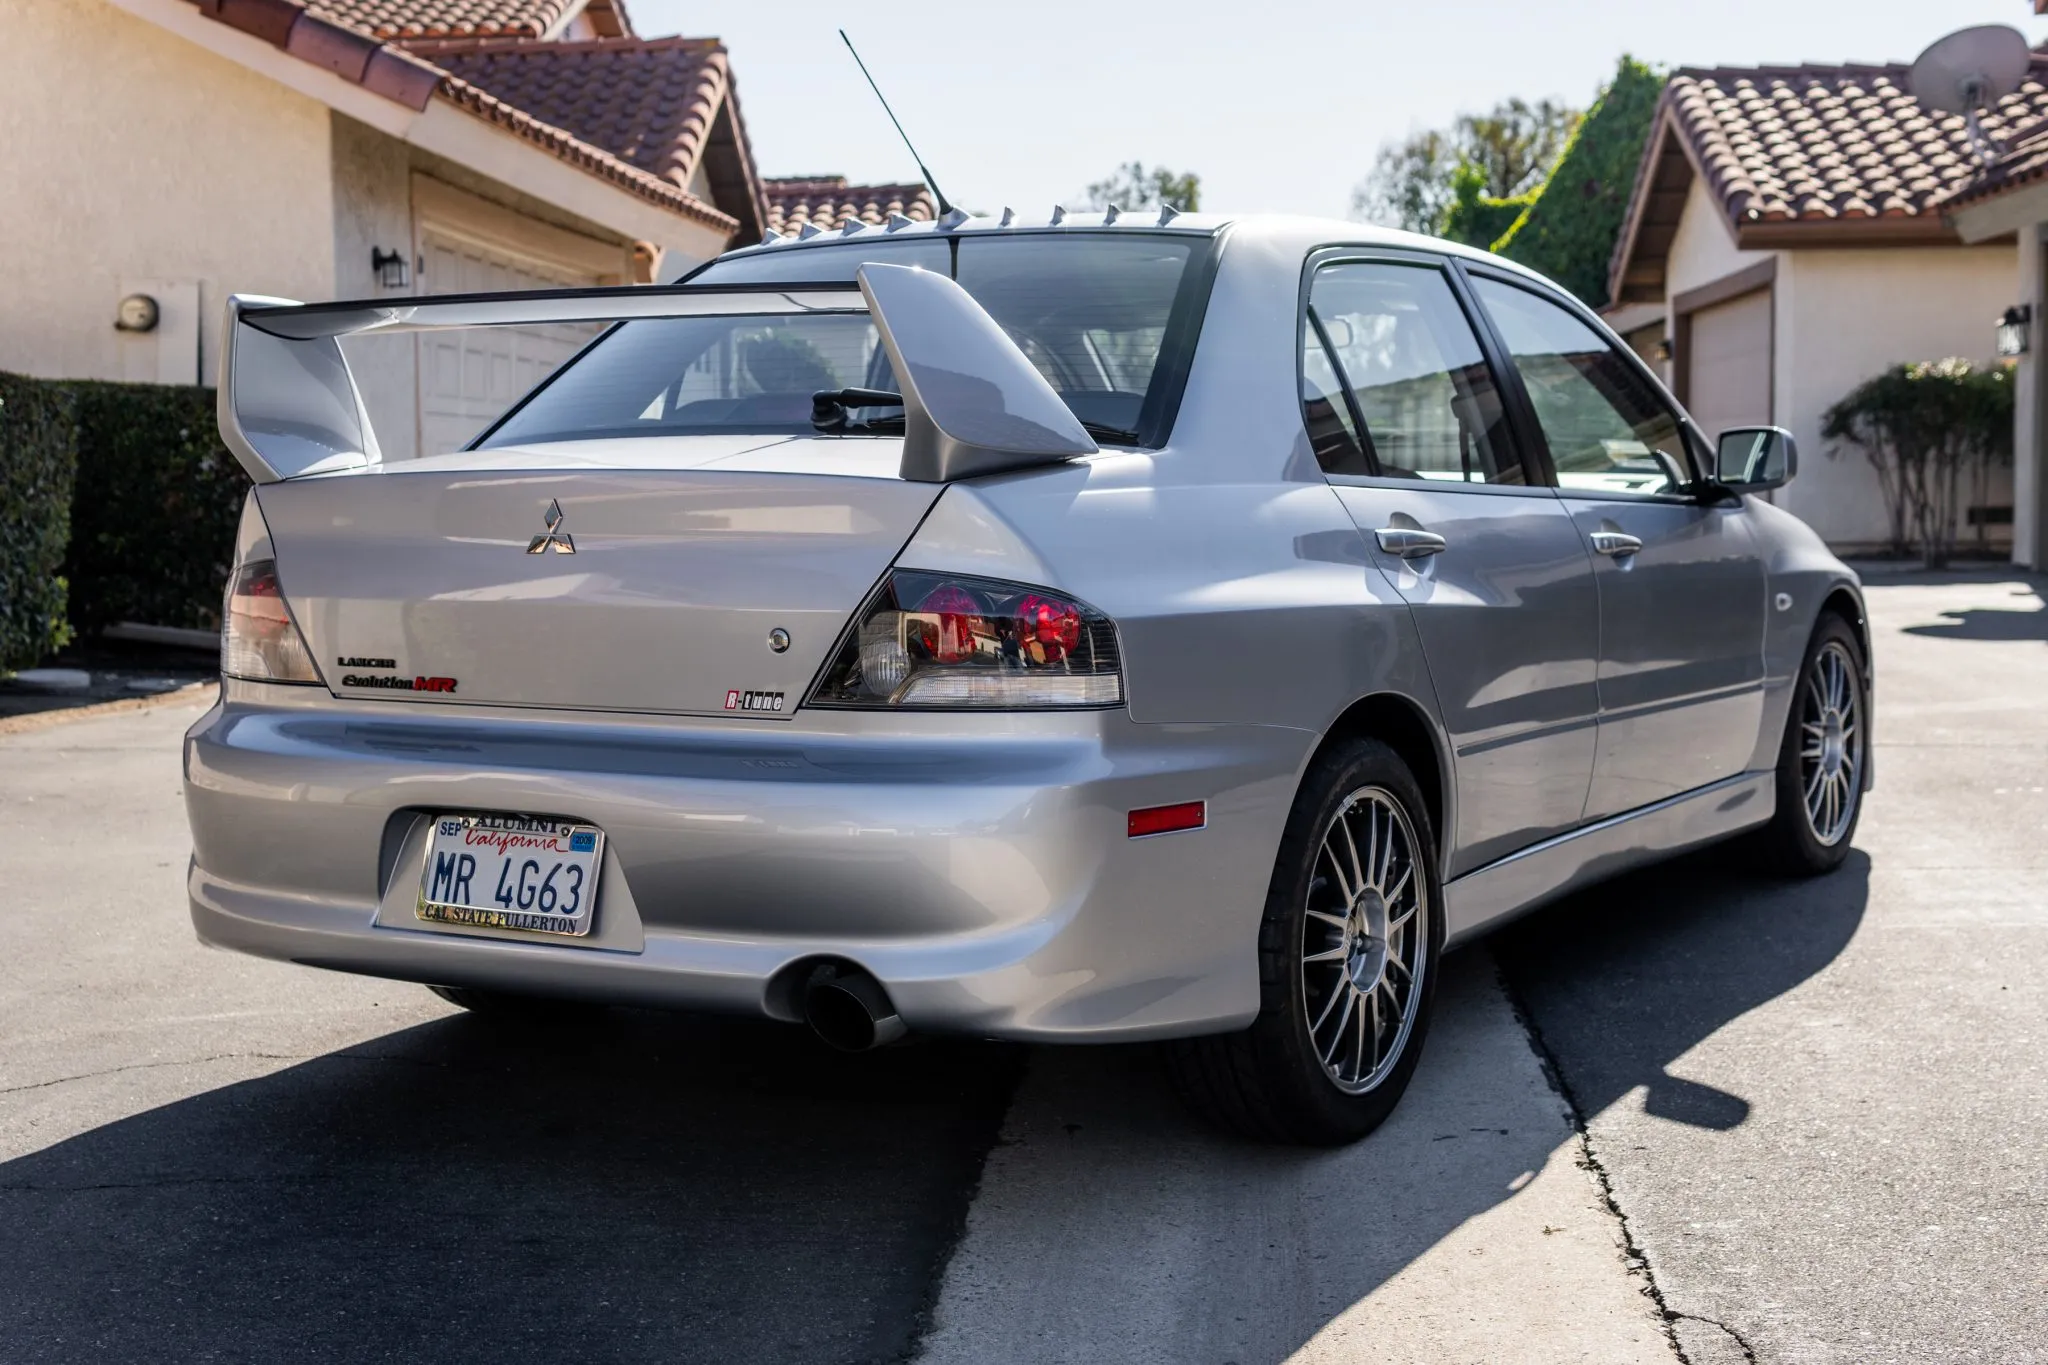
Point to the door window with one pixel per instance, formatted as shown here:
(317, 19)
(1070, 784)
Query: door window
(1393, 380)
(1609, 431)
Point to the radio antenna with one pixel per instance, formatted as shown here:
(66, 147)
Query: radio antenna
(937, 193)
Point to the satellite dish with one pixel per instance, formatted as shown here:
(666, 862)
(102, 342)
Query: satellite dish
(1969, 71)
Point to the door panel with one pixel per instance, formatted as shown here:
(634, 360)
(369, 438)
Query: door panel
(1509, 624)
(1681, 657)
(1681, 585)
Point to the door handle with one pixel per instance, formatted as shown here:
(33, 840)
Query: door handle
(1615, 544)
(1404, 542)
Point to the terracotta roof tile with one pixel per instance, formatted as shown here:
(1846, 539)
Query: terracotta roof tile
(829, 202)
(649, 102)
(647, 141)
(1815, 143)
(403, 19)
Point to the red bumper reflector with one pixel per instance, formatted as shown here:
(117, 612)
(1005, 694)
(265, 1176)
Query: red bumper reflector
(1167, 819)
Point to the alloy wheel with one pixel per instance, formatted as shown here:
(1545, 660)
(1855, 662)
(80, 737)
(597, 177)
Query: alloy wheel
(1364, 940)
(1831, 743)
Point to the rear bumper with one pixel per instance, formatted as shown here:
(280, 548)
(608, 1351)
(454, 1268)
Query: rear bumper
(979, 868)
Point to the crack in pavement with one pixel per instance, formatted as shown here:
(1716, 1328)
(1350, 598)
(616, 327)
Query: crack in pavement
(1633, 1255)
(1748, 1352)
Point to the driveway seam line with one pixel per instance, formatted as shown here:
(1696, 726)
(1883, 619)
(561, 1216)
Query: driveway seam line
(1634, 1256)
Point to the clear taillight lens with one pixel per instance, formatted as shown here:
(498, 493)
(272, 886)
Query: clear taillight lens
(939, 640)
(259, 641)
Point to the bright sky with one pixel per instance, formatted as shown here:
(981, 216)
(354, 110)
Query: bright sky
(1278, 105)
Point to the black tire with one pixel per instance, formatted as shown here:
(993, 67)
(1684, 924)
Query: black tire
(1270, 1082)
(1791, 844)
(507, 1007)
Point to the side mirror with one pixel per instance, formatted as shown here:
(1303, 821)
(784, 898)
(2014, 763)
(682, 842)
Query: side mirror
(1751, 459)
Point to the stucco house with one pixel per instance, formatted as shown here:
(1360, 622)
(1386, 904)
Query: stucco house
(174, 151)
(1793, 232)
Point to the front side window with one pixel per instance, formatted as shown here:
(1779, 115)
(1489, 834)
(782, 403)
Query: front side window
(1393, 378)
(1608, 430)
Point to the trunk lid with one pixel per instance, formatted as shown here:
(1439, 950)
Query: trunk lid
(655, 590)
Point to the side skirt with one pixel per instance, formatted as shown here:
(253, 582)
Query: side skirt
(1491, 895)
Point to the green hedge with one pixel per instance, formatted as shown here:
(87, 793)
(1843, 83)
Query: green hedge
(1569, 232)
(38, 459)
(158, 496)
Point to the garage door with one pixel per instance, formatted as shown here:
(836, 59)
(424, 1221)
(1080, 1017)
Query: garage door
(469, 376)
(1729, 364)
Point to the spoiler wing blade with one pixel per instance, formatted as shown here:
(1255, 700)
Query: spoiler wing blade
(973, 403)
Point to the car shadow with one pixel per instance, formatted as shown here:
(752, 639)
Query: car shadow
(1621, 979)
(649, 1187)
(668, 1188)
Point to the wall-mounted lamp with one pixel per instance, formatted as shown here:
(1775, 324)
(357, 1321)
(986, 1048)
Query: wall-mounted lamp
(1663, 348)
(392, 270)
(136, 313)
(2014, 328)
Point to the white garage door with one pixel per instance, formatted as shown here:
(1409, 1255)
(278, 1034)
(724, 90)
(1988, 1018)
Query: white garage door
(1729, 364)
(469, 376)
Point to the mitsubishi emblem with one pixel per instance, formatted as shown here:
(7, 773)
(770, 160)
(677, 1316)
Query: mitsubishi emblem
(554, 537)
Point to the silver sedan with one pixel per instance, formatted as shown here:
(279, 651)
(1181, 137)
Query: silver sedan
(1107, 628)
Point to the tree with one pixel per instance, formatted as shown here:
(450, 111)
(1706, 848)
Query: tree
(1569, 228)
(1921, 426)
(1133, 186)
(1413, 182)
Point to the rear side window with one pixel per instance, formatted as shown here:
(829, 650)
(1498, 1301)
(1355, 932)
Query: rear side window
(1394, 382)
(1608, 430)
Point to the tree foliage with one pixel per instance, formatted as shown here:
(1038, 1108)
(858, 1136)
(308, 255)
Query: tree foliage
(1569, 229)
(1135, 185)
(1922, 426)
(1414, 183)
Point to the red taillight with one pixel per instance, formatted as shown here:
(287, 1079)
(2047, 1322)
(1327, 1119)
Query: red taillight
(258, 639)
(947, 640)
(956, 622)
(1168, 819)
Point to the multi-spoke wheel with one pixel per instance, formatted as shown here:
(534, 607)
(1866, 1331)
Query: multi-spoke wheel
(1363, 951)
(1347, 956)
(1822, 763)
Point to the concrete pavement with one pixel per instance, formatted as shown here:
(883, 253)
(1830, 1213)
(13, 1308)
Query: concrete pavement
(1811, 1110)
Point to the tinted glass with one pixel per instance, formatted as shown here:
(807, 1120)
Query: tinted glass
(1091, 310)
(1398, 338)
(1331, 430)
(1608, 429)
(699, 376)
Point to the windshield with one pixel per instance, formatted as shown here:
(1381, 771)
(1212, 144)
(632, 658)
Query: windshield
(1108, 320)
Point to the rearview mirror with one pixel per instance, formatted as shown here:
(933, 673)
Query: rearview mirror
(1751, 459)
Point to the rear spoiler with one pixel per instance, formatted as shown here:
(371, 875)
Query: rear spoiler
(973, 403)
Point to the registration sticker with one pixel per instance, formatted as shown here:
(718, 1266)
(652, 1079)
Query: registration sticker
(511, 872)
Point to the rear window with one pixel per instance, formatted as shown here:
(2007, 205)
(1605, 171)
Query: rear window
(1108, 320)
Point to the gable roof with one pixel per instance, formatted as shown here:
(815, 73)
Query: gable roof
(827, 201)
(675, 110)
(1803, 156)
(664, 106)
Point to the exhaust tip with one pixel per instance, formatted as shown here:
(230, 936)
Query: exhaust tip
(849, 1010)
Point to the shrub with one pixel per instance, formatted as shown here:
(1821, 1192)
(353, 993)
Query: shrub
(158, 497)
(38, 456)
(1920, 425)
(1570, 230)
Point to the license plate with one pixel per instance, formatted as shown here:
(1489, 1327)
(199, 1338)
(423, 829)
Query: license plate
(511, 872)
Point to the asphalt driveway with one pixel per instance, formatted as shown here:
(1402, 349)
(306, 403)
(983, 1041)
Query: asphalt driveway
(1693, 1114)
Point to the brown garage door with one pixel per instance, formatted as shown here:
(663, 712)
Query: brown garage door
(1728, 363)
